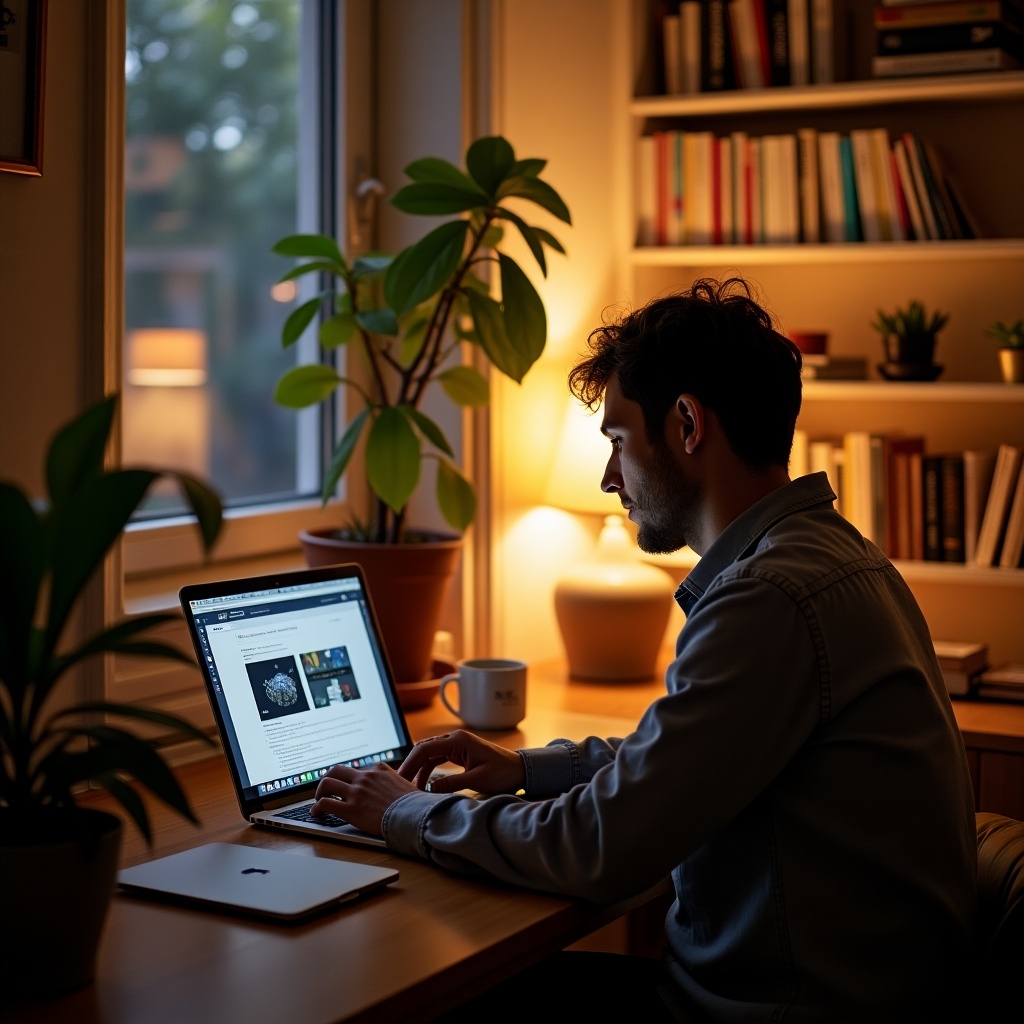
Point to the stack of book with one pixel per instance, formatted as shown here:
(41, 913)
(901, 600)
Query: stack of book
(829, 367)
(1005, 682)
(808, 186)
(953, 36)
(712, 45)
(962, 664)
(954, 506)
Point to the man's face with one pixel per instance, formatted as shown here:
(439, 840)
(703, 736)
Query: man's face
(648, 478)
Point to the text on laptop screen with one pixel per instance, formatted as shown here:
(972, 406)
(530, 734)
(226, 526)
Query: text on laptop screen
(298, 680)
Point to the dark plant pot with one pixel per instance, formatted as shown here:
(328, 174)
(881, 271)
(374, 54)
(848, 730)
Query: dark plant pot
(910, 371)
(409, 586)
(56, 883)
(917, 349)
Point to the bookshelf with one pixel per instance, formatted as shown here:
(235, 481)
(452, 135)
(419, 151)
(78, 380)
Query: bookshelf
(977, 121)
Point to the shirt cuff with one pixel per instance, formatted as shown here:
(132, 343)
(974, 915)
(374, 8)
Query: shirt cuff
(550, 770)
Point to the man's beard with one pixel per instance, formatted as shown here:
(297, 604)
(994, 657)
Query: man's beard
(666, 502)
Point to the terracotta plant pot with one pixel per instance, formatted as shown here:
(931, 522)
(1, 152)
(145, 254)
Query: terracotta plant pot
(55, 890)
(409, 586)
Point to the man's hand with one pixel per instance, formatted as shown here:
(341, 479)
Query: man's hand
(360, 795)
(489, 768)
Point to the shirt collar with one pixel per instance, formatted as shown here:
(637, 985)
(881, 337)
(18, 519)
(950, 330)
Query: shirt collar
(749, 527)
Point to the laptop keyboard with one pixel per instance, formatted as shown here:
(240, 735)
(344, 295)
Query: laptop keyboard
(305, 813)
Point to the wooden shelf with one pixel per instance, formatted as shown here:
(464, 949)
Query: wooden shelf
(974, 249)
(875, 93)
(987, 392)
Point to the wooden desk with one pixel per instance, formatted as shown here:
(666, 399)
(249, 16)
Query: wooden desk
(428, 942)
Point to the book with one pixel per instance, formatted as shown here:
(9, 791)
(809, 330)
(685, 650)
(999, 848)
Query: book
(951, 213)
(909, 191)
(662, 187)
(698, 168)
(961, 664)
(716, 65)
(967, 35)
(853, 229)
(828, 367)
(823, 70)
(948, 12)
(833, 216)
(780, 211)
(741, 198)
(825, 455)
(979, 465)
(763, 42)
(914, 158)
(931, 488)
(896, 502)
(858, 486)
(746, 44)
(951, 494)
(902, 212)
(867, 188)
(945, 62)
(690, 45)
(1003, 682)
(799, 39)
(670, 38)
(888, 210)
(915, 465)
(1013, 541)
(724, 195)
(809, 179)
(997, 506)
(777, 19)
(646, 188)
(754, 169)
(680, 195)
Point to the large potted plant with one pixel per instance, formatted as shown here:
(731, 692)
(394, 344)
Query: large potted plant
(408, 315)
(58, 859)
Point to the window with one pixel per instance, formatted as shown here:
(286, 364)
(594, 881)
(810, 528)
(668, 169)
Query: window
(224, 104)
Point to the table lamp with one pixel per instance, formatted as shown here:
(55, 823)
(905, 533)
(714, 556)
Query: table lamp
(613, 609)
(166, 357)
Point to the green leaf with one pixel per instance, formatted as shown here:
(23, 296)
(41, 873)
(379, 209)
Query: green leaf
(310, 246)
(423, 269)
(342, 453)
(525, 320)
(303, 386)
(122, 635)
(379, 321)
(205, 505)
(455, 497)
(492, 338)
(84, 528)
(22, 562)
(436, 200)
(465, 386)
(432, 170)
(76, 451)
(530, 237)
(528, 168)
(413, 338)
(548, 239)
(308, 268)
(429, 429)
(392, 458)
(172, 723)
(489, 161)
(129, 800)
(370, 264)
(537, 191)
(300, 318)
(337, 330)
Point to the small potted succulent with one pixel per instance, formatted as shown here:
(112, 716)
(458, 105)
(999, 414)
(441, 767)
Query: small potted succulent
(1011, 349)
(58, 859)
(909, 336)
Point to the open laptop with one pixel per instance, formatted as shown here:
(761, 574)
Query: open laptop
(299, 681)
(268, 884)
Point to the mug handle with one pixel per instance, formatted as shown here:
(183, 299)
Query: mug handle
(445, 680)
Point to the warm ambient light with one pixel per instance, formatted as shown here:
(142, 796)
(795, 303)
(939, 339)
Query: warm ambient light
(613, 609)
(167, 357)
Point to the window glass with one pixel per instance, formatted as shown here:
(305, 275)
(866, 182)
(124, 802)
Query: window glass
(216, 152)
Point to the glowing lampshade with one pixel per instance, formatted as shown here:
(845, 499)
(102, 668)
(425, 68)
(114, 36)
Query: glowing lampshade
(167, 357)
(613, 609)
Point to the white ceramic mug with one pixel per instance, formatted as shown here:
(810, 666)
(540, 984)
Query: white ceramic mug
(492, 692)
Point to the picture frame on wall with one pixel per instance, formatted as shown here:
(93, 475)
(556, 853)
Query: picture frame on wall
(22, 61)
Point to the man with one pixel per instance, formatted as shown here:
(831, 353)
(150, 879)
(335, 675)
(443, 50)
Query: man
(803, 780)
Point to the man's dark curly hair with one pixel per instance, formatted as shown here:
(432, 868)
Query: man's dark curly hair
(714, 342)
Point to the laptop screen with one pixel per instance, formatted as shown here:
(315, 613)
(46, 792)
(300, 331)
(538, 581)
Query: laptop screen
(297, 677)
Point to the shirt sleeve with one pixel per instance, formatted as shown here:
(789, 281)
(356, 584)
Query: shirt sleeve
(612, 818)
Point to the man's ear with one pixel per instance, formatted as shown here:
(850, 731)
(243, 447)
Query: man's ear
(688, 422)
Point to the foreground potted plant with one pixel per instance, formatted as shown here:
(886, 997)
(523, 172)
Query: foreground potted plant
(909, 336)
(407, 315)
(57, 859)
(1011, 349)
